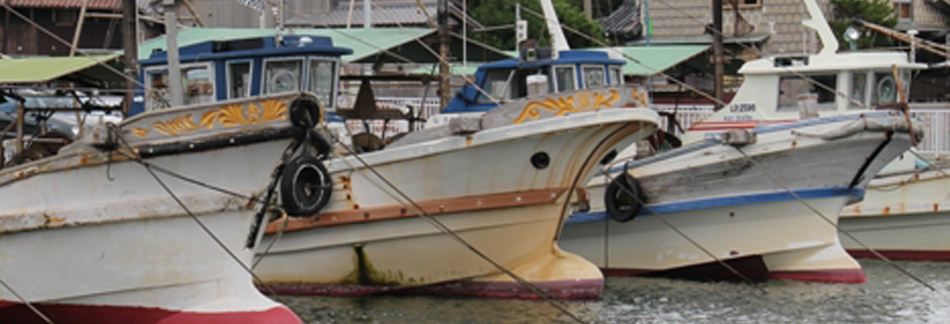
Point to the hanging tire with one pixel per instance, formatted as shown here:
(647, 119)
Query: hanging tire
(305, 187)
(306, 112)
(624, 198)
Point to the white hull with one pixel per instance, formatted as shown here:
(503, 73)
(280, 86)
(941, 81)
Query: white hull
(736, 212)
(903, 217)
(103, 242)
(482, 186)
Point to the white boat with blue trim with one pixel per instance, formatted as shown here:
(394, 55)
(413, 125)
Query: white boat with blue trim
(756, 189)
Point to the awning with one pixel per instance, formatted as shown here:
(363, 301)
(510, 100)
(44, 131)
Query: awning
(45, 69)
(367, 44)
(651, 60)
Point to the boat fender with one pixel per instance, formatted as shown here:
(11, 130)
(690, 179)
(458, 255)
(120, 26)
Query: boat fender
(319, 142)
(624, 198)
(306, 112)
(305, 186)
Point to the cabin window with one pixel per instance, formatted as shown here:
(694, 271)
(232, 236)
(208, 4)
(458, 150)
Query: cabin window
(239, 79)
(859, 87)
(322, 81)
(282, 75)
(593, 76)
(791, 87)
(497, 84)
(616, 77)
(564, 78)
(196, 83)
(884, 89)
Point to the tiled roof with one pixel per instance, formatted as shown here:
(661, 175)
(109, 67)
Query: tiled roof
(624, 21)
(388, 13)
(66, 4)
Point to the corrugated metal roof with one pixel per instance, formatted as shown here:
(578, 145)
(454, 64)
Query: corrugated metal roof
(40, 70)
(363, 42)
(66, 4)
(654, 59)
(625, 20)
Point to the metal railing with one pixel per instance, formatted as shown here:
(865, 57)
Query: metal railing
(936, 126)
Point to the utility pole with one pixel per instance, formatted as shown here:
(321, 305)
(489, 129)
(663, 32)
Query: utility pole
(717, 52)
(171, 38)
(444, 74)
(588, 9)
(131, 50)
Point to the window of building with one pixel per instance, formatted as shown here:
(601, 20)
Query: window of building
(727, 4)
(239, 79)
(65, 17)
(282, 75)
(323, 81)
(792, 87)
(904, 9)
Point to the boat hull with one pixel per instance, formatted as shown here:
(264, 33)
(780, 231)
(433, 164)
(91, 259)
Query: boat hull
(903, 217)
(736, 212)
(104, 243)
(483, 187)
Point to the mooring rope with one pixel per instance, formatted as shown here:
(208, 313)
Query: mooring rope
(683, 234)
(829, 221)
(422, 213)
(148, 167)
(26, 302)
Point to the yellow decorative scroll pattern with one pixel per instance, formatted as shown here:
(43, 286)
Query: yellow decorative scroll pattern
(229, 116)
(580, 101)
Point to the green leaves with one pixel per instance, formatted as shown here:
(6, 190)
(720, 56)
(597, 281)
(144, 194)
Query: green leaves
(502, 12)
(879, 12)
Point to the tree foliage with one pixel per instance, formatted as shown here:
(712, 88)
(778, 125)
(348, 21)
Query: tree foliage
(879, 12)
(502, 12)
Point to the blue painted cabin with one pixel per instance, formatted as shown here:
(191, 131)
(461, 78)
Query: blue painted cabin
(220, 70)
(508, 79)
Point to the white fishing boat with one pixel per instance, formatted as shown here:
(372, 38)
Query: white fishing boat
(905, 215)
(501, 186)
(90, 237)
(759, 188)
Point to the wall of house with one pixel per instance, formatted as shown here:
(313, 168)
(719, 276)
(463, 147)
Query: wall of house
(926, 17)
(21, 38)
(779, 18)
(217, 13)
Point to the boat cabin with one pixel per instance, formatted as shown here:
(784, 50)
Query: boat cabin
(222, 70)
(536, 73)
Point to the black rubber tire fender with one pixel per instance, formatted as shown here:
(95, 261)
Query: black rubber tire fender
(305, 186)
(306, 112)
(621, 205)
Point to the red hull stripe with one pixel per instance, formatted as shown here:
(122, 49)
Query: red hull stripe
(15, 312)
(718, 125)
(914, 255)
(564, 289)
(751, 267)
(824, 276)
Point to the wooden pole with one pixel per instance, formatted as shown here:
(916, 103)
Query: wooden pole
(131, 51)
(82, 18)
(444, 68)
(717, 52)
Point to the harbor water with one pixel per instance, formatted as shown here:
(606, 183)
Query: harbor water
(888, 296)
